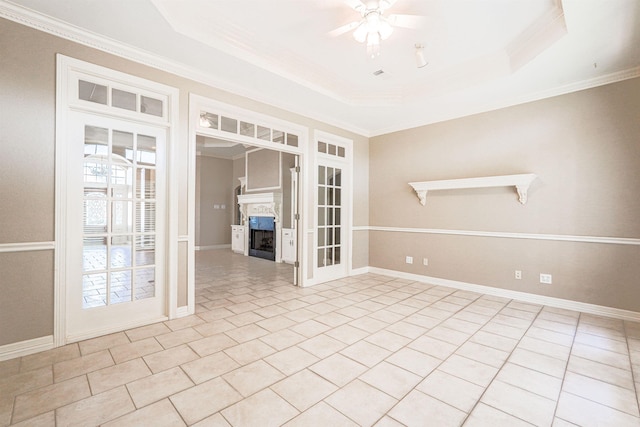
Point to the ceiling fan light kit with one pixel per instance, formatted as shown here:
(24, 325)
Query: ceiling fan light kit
(373, 27)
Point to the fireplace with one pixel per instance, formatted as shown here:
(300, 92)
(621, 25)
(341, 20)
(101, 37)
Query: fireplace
(262, 237)
(260, 227)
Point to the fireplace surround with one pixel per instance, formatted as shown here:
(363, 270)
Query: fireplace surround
(261, 223)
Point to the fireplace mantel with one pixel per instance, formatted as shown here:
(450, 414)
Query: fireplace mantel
(260, 204)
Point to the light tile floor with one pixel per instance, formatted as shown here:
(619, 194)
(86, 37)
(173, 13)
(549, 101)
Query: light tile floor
(367, 350)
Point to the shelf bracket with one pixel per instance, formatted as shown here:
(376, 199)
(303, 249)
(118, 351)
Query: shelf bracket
(422, 196)
(522, 193)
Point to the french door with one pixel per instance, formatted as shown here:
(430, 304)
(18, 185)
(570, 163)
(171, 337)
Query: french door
(116, 197)
(330, 248)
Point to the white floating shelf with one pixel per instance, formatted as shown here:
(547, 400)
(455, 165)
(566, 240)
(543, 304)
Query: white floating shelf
(521, 182)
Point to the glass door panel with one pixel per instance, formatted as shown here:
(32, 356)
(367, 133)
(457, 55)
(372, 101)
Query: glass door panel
(329, 204)
(119, 232)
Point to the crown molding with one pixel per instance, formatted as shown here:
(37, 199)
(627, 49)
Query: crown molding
(606, 79)
(78, 35)
(66, 31)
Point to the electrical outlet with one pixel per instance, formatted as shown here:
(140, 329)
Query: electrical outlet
(425, 261)
(545, 278)
(409, 260)
(518, 274)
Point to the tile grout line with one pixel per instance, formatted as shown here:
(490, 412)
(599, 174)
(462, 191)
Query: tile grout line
(405, 346)
(633, 376)
(362, 339)
(564, 375)
(606, 364)
(500, 369)
(438, 365)
(360, 287)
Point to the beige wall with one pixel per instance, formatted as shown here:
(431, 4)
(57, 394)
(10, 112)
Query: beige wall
(27, 118)
(25, 283)
(263, 171)
(288, 161)
(216, 180)
(215, 187)
(585, 149)
(361, 211)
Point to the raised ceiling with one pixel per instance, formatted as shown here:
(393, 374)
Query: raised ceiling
(482, 54)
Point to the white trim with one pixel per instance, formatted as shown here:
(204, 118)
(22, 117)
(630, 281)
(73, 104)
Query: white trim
(507, 235)
(198, 103)
(617, 76)
(24, 348)
(324, 274)
(183, 238)
(173, 177)
(361, 270)
(68, 69)
(210, 247)
(60, 258)
(61, 29)
(27, 246)
(242, 114)
(183, 311)
(195, 102)
(66, 31)
(116, 327)
(583, 307)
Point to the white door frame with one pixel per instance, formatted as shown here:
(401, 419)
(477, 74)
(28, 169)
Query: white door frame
(68, 72)
(198, 104)
(346, 163)
(84, 323)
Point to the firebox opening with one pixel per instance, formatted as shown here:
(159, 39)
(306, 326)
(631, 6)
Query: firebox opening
(262, 238)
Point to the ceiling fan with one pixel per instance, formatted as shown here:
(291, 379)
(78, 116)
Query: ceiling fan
(374, 26)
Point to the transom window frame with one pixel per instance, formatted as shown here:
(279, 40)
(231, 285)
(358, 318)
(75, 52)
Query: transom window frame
(201, 106)
(342, 156)
(69, 71)
(122, 82)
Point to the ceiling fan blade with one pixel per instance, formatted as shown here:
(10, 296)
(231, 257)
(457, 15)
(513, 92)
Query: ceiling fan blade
(356, 4)
(407, 21)
(386, 4)
(344, 29)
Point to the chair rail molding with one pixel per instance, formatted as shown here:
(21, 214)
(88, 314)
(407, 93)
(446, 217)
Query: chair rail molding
(520, 181)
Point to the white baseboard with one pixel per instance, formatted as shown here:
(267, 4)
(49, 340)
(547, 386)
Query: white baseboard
(117, 327)
(207, 248)
(598, 310)
(361, 270)
(24, 348)
(183, 311)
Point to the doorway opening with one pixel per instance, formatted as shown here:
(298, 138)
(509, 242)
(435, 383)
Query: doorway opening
(257, 218)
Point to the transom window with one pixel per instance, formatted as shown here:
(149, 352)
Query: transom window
(331, 149)
(247, 128)
(120, 97)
